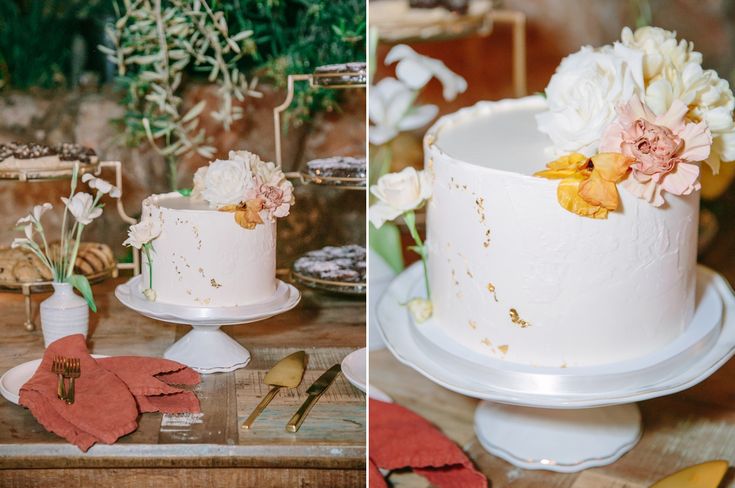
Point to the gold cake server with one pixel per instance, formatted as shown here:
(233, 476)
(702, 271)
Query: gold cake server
(705, 475)
(286, 373)
(315, 392)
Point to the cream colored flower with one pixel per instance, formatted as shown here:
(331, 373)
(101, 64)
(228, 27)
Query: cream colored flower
(102, 186)
(142, 233)
(583, 93)
(660, 49)
(150, 294)
(392, 110)
(82, 207)
(415, 70)
(229, 182)
(421, 309)
(35, 215)
(199, 182)
(399, 193)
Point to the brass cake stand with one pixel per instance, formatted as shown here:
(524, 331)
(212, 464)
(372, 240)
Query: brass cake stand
(353, 77)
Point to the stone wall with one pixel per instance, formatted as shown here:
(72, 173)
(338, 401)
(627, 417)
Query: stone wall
(321, 216)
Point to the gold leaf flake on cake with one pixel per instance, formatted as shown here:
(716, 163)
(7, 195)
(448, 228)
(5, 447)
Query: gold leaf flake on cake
(480, 208)
(491, 289)
(214, 283)
(469, 273)
(486, 242)
(563, 365)
(516, 319)
(503, 349)
(487, 342)
(188, 292)
(429, 139)
(473, 325)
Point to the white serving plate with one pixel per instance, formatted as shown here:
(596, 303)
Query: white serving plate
(354, 367)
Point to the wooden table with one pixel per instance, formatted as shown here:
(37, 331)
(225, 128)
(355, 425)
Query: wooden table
(208, 449)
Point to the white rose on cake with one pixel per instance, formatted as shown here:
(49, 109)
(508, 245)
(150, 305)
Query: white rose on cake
(228, 182)
(660, 49)
(142, 233)
(583, 93)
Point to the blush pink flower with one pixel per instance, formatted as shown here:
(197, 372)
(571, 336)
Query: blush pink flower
(666, 149)
(277, 199)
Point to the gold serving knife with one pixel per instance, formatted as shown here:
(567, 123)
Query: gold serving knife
(705, 475)
(286, 373)
(315, 391)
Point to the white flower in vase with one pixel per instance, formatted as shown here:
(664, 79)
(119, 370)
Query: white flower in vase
(399, 193)
(391, 110)
(82, 207)
(102, 186)
(415, 70)
(36, 214)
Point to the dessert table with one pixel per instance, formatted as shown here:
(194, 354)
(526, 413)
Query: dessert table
(208, 448)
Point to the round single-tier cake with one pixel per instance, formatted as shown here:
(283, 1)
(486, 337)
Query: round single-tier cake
(202, 257)
(515, 275)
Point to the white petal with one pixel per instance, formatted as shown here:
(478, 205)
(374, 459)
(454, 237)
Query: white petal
(418, 117)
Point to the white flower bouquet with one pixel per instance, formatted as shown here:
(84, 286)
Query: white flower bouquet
(83, 208)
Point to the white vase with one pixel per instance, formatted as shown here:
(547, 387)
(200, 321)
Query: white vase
(63, 314)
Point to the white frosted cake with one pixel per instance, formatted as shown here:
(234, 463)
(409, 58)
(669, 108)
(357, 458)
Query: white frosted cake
(562, 229)
(515, 275)
(216, 247)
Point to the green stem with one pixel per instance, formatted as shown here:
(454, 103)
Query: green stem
(172, 173)
(147, 251)
(73, 257)
(410, 219)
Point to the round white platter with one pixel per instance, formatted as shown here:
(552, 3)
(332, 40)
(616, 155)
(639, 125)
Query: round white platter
(17, 376)
(585, 436)
(206, 348)
(354, 367)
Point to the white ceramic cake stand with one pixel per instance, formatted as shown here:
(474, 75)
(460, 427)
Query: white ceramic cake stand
(561, 419)
(206, 348)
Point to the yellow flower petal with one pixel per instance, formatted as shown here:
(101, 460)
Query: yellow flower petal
(249, 215)
(564, 167)
(568, 195)
(597, 191)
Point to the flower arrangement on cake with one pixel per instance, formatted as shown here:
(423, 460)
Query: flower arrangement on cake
(256, 192)
(641, 113)
(60, 259)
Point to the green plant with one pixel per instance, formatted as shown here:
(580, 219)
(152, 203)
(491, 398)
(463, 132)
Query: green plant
(36, 38)
(155, 43)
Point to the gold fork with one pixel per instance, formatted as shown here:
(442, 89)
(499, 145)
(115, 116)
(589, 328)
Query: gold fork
(72, 370)
(57, 366)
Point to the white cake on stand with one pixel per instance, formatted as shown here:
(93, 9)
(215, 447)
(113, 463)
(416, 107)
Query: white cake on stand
(516, 276)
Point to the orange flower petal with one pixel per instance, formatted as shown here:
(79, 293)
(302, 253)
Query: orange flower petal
(611, 166)
(568, 195)
(597, 191)
(564, 167)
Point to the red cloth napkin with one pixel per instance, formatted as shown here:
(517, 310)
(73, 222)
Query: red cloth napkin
(88, 420)
(401, 439)
(108, 395)
(150, 380)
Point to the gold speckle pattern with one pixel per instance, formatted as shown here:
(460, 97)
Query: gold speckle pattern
(480, 208)
(486, 241)
(563, 365)
(504, 349)
(487, 342)
(516, 319)
(473, 325)
(491, 289)
(214, 283)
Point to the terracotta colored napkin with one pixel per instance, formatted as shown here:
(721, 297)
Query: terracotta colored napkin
(128, 384)
(89, 420)
(401, 439)
(150, 380)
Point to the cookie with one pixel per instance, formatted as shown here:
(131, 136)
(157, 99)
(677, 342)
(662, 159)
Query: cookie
(334, 263)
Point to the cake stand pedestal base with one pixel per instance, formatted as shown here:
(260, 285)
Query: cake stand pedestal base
(208, 350)
(566, 441)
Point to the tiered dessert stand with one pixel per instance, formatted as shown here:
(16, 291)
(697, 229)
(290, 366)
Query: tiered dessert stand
(36, 175)
(206, 348)
(560, 419)
(353, 77)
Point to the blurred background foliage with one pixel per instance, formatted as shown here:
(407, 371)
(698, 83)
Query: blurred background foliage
(50, 43)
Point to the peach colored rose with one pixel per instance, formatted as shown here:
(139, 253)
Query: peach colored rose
(666, 150)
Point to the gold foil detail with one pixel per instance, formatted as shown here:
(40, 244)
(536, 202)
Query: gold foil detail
(503, 349)
(491, 289)
(480, 208)
(486, 242)
(429, 139)
(487, 342)
(214, 283)
(473, 325)
(469, 273)
(516, 319)
(563, 365)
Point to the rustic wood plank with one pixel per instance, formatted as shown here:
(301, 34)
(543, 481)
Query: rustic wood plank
(181, 478)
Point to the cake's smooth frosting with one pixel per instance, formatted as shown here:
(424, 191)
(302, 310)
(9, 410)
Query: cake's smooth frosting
(582, 291)
(204, 258)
